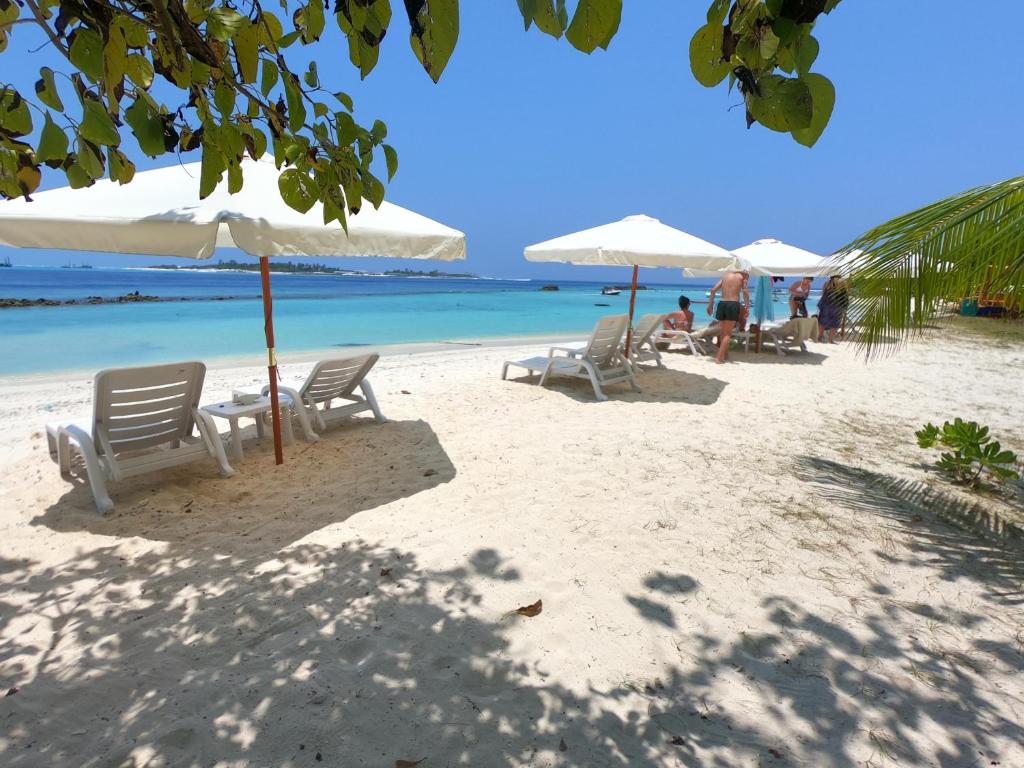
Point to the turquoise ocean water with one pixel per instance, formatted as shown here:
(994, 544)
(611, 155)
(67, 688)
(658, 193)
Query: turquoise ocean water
(311, 312)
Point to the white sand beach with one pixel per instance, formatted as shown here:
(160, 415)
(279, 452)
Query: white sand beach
(743, 565)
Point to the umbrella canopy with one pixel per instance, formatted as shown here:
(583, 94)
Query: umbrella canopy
(160, 214)
(637, 241)
(775, 258)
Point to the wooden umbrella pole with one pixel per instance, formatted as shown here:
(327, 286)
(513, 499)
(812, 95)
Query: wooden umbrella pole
(632, 304)
(268, 327)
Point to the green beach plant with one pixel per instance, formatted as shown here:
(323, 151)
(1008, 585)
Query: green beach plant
(227, 78)
(972, 452)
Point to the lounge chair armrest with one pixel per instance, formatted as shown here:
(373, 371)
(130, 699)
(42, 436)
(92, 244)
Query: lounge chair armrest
(569, 351)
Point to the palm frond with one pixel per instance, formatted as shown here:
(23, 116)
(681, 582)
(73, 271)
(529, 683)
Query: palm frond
(905, 272)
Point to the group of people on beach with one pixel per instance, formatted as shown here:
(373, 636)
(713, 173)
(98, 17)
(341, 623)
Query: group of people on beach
(734, 307)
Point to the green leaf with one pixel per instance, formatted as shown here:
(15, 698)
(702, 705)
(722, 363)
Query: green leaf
(706, 56)
(718, 10)
(373, 189)
(823, 99)
(122, 170)
(77, 177)
(90, 159)
(345, 100)
(391, 157)
(297, 190)
(246, 45)
(147, 127)
(15, 119)
(223, 23)
(594, 24)
(269, 78)
(211, 170)
(270, 29)
(53, 142)
(805, 55)
(311, 77)
(46, 90)
(296, 109)
(97, 126)
(379, 131)
(139, 70)
(784, 103)
(310, 19)
(434, 32)
(543, 14)
(86, 53)
(769, 43)
(224, 99)
(234, 178)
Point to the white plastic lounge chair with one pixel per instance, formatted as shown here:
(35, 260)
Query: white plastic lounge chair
(694, 340)
(791, 335)
(333, 380)
(601, 361)
(142, 421)
(643, 348)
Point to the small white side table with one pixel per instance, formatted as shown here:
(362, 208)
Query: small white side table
(233, 411)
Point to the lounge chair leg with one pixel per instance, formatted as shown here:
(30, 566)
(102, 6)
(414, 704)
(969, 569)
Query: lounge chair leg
(299, 409)
(214, 443)
(97, 480)
(372, 400)
(63, 454)
(504, 371)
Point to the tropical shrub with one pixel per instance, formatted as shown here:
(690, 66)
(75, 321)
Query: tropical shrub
(972, 452)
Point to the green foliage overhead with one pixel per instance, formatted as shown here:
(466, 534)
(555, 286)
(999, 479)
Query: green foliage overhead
(972, 453)
(905, 272)
(219, 76)
(766, 47)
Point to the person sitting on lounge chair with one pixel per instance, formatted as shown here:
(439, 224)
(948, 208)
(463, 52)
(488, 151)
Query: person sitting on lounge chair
(682, 319)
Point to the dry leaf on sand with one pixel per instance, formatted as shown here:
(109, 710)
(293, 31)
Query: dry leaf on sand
(529, 611)
(408, 763)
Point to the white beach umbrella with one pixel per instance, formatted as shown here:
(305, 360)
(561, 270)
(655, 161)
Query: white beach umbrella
(775, 258)
(160, 214)
(637, 241)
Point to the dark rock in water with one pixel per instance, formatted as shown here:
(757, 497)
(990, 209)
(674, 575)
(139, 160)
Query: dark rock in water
(602, 305)
(135, 297)
(629, 287)
(549, 287)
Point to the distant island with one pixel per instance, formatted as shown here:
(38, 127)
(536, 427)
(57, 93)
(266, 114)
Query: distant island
(314, 269)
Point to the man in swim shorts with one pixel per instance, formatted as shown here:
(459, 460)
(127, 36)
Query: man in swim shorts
(732, 285)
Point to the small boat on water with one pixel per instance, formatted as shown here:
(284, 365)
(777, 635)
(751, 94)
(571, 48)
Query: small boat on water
(6, 262)
(609, 291)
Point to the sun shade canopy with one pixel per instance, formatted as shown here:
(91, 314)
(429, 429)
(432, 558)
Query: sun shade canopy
(160, 214)
(634, 241)
(773, 257)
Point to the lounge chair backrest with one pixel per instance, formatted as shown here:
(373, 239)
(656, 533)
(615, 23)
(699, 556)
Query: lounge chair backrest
(138, 408)
(646, 326)
(603, 347)
(331, 379)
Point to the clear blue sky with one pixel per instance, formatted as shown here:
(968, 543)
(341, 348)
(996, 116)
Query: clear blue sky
(525, 138)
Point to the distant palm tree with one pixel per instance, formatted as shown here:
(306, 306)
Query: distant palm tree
(903, 271)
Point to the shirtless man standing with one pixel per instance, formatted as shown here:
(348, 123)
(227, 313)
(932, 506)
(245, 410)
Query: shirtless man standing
(732, 284)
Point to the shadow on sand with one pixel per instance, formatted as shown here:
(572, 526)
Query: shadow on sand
(193, 654)
(359, 466)
(658, 385)
(945, 529)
